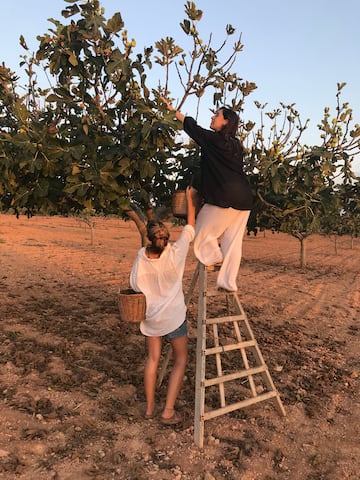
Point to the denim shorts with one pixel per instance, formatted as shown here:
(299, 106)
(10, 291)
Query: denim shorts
(178, 332)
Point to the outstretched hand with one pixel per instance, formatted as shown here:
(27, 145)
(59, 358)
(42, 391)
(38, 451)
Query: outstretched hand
(168, 104)
(179, 116)
(191, 194)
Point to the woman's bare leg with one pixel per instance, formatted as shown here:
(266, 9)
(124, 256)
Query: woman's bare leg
(180, 353)
(153, 345)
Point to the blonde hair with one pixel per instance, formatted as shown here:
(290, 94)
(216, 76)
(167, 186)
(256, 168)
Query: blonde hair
(156, 229)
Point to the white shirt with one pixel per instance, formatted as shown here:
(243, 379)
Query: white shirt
(160, 280)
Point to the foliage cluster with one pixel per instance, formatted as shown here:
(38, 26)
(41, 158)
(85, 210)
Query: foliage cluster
(100, 140)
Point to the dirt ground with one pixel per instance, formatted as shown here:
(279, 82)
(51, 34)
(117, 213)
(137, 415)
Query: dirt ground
(71, 394)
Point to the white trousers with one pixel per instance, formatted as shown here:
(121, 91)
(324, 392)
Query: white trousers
(219, 235)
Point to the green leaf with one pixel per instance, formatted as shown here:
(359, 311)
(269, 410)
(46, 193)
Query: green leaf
(115, 24)
(42, 188)
(73, 60)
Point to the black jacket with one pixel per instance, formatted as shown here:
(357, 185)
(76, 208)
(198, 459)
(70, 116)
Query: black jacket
(223, 182)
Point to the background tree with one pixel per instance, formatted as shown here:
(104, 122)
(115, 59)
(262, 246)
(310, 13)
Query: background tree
(9, 104)
(295, 183)
(349, 194)
(31, 170)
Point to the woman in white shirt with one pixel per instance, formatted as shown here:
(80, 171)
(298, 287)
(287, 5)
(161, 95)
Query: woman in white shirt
(157, 272)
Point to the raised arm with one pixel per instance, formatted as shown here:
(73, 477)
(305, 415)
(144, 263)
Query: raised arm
(191, 194)
(180, 116)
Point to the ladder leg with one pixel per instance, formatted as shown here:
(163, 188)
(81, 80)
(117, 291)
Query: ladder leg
(218, 365)
(192, 285)
(200, 361)
(253, 367)
(259, 358)
(245, 359)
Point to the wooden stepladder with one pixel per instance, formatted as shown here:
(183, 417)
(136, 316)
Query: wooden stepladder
(230, 370)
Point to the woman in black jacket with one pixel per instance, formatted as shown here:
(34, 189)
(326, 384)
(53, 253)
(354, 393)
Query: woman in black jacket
(221, 223)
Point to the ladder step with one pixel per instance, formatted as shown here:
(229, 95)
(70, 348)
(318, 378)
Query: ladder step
(234, 376)
(230, 347)
(218, 292)
(238, 405)
(229, 318)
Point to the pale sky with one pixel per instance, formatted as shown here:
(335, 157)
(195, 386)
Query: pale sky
(296, 52)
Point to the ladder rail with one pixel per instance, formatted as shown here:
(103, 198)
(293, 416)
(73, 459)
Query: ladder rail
(199, 425)
(218, 363)
(244, 355)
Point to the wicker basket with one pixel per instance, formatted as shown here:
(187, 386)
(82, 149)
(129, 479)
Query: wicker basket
(132, 306)
(179, 204)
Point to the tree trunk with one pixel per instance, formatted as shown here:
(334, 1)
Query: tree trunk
(91, 225)
(302, 252)
(139, 225)
(301, 239)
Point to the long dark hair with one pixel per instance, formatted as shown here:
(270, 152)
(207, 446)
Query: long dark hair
(230, 131)
(232, 126)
